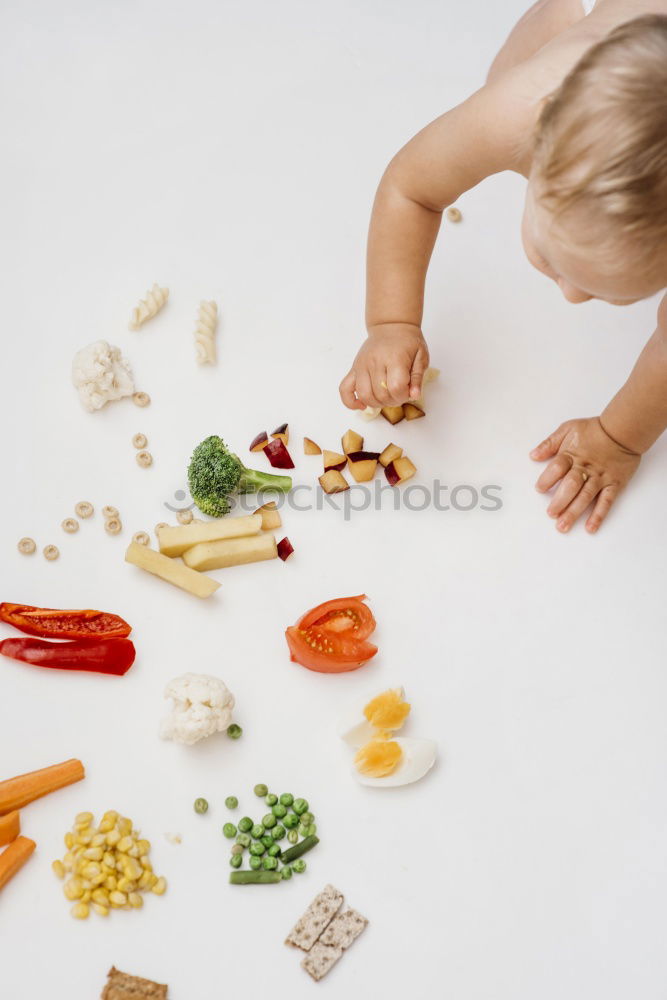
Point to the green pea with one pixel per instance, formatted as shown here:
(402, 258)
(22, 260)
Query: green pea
(254, 862)
(231, 802)
(293, 836)
(234, 731)
(299, 865)
(278, 832)
(260, 791)
(291, 821)
(307, 818)
(229, 830)
(274, 851)
(201, 806)
(257, 848)
(267, 840)
(257, 831)
(269, 820)
(271, 799)
(236, 860)
(303, 829)
(245, 824)
(312, 830)
(286, 872)
(243, 839)
(237, 849)
(286, 799)
(300, 806)
(279, 810)
(269, 863)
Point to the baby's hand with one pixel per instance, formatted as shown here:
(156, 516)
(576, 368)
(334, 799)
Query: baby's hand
(388, 369)
(590, 465)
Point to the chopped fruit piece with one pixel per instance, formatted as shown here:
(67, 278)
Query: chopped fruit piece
(394, 414)
(260, 442)
(285, 549)
(412, 412)
(310, 448)
(351, 441)
(281, 434)
(230, 552)
(278, 455)
(270, 516)
(378, 758)
(333, 482)
(390, 454)
(363, 465)
(388, 711)
(332, 460)
(399, 470)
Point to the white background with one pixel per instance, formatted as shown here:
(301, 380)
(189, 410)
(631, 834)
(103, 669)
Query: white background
(231, 151)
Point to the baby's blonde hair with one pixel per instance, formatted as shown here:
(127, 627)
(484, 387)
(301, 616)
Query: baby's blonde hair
(601, 140)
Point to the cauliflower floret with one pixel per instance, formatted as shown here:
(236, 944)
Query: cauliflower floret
(101, 374)
(202, 706)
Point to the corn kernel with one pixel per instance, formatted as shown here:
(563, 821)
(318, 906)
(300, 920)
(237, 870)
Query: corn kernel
(110, 883)
(102, 911)
(112, 838)
(145, 863)
(132, 869)
(69, 841)
(110, 814)
(68, 861)
(93, 853)
(91, 870)
(126, 885)
(134, 851)
(86, 896)
(98, 840)
(117, 898)
(144, 846)
(108, 859)
(135, 900)
(83, 819)
(98, 880)
(106, 826)
(100, 896)
(80, 911)
(124, 826)
(124, 844)
(73, 888)
(144, 881)
(83, 838)
(159, 887)
(58, 869)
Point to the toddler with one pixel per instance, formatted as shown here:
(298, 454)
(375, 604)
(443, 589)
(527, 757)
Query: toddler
(576, 102)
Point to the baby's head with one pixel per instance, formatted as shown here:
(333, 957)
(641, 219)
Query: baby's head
(596, 206)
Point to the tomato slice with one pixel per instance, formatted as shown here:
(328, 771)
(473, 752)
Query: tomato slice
(345, 614)
(331, 638)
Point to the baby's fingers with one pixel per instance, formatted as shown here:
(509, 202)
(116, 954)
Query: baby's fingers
(550, 445)
(347, 392)
(554, 471)
(602, 508)
(419, 366)
(397, 384)
(582, 500)
(574, 482)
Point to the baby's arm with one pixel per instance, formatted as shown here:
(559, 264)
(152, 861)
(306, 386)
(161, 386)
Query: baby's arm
(596, 457)
(482, 136)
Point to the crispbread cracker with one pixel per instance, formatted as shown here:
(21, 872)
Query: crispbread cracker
(319, 914)
(121, 986)
(320, 959)
(344, 929)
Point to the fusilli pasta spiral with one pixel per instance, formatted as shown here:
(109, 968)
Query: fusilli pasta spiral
(207, 321)
(149, 306)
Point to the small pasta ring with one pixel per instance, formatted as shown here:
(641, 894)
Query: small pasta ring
(141, 399)
(139, 441)
(144, 459)
(184, 517)
(84, 509)
(51, 552)
(113, 526)
(108, 512)
(141, 538)
(26, 546)
(70, 525)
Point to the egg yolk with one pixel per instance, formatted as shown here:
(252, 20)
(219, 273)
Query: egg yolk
(388, 710)
(378, 758)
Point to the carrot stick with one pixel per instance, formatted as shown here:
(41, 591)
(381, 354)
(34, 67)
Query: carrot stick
(10, 827)
(15, 793)
(14, 857)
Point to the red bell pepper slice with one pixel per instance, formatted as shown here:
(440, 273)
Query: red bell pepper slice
(102, 656)
(55, 624)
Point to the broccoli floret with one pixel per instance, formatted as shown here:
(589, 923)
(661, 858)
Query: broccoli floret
(215, 475)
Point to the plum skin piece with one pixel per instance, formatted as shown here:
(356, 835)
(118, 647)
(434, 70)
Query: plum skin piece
(278, 455)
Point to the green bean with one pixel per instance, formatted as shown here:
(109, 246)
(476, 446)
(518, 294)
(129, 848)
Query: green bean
(278, 832)
(269, 863)
(201, 806)
(245, 824)
(243, 839)
(269, 820)
(234, 731)
(274, 850)
(260, 791)
(271, 799)
(300, 806)
(286, 872)
(257, 831)
(255, 878)
(231, 802)
(257, 848)
(229, 830)
(291, 820)
(236, 860)
(293, 836)
(299, 849)
(254, 862)
(299, 865)
(286, 799)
